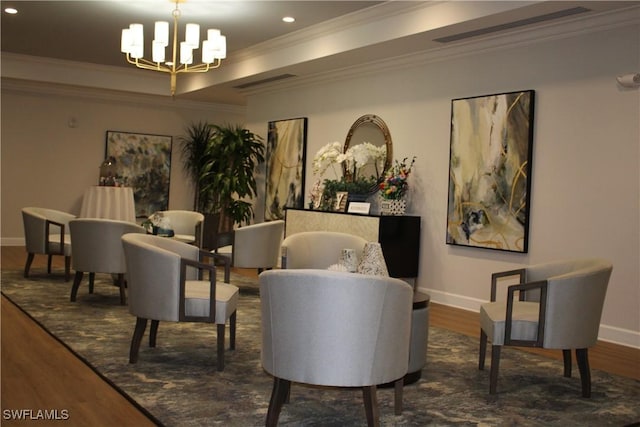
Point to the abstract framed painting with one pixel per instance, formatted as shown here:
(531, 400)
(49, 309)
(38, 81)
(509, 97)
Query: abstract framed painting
(286, 156)
(144, 162)
(490, 171)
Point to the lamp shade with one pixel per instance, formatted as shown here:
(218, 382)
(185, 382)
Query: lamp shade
(158, 54)
(207, 52)
(221, 52)
(137, 52)
(125, 41)
(186, 53)
(161, 33)
(213, 34)
(192, 37)
(137, 34)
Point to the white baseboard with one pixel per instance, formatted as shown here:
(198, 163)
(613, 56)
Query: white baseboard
(606, 333)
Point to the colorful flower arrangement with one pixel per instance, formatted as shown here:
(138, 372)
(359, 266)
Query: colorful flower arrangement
(395, 185)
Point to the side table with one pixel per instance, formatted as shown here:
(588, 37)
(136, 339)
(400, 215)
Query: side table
(419, 337)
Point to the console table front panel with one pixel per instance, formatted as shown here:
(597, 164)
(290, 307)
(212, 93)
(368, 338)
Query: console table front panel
(304, 220)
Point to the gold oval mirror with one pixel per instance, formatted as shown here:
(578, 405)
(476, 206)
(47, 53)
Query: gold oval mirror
(369, 128)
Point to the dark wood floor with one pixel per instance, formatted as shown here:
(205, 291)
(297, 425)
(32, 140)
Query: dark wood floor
(37, 372)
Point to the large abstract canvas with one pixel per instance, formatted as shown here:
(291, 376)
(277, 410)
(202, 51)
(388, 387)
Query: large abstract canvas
(144, 162)
(490, 171)
(286, 152)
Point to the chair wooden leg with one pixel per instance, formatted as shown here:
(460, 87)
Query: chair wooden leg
(138, 332)
(371, 406)
(153, 333)
(495, 367)
(232, 331)
(582, 356)
(566, 357)
(398, 389)
(67, 268)
(123, 295)
(76, 284)
(27, 264)
(49, 258)
(92, 281)
(221, 328)
(483, 350)
(279, 394)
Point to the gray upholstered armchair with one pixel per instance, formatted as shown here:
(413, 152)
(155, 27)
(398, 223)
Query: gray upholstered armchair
(255, 245)
(98, 249)
(559, 306)
(318, 249)
(46, 231)
(166, 283)
(334, 328)
(187, 225)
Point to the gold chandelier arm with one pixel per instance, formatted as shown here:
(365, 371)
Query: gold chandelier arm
(148, 65)
(199, 68)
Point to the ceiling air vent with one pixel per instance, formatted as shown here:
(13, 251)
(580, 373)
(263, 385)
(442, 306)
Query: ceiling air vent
(263, 81)
(514, 24)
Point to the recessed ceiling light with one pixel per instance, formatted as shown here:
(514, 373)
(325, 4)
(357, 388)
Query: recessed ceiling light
(289, 19)
(11, 10)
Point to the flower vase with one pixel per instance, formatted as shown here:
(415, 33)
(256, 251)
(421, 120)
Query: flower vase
(393, 207)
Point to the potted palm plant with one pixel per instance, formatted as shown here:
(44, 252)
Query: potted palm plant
(222, 161)
(195, 145)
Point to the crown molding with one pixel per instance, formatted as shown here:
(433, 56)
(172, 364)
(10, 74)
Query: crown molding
(517, 38)
(40, 89)
(373, 14)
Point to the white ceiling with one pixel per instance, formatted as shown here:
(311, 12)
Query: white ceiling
(47, 40)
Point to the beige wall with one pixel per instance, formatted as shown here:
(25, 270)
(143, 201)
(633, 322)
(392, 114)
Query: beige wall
(48, 163)
(585, 183)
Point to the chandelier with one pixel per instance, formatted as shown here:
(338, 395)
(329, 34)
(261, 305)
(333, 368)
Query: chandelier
(214, 48)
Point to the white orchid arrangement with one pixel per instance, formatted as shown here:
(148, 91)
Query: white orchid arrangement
(346, 179)
(329, 155)
(354, 159)
(363, 154)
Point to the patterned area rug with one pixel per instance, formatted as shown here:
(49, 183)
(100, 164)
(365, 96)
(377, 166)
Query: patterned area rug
(178, 384)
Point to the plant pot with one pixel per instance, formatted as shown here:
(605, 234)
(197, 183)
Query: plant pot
(393, 207)
(216, 233)
(163, 232)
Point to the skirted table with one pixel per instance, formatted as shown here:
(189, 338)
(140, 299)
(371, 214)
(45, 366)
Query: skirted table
(108, 202)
